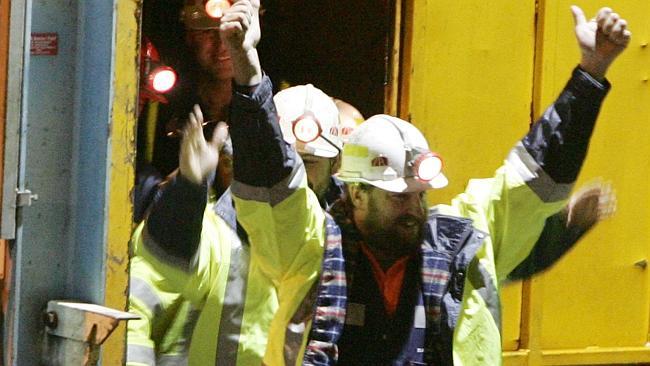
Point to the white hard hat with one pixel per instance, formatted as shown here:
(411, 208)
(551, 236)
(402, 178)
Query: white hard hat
(391, 154)
(349, 117)
(307, 103)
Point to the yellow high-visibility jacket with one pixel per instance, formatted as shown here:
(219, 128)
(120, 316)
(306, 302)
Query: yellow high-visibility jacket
(286, 223)
(221, 279)
(162, 334)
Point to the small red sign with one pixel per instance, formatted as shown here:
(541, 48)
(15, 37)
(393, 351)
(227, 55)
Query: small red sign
(44, 44)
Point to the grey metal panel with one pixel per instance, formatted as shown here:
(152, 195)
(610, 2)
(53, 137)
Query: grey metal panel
(43, 244)
(19, 22)
(90, 174)
(14, 113)
(60, 241)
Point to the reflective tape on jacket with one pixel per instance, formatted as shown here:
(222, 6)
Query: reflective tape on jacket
(217, 284)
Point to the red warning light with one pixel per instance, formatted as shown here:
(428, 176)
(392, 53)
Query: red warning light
(162, 79)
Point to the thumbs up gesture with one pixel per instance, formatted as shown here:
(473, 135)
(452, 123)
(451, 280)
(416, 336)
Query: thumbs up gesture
(601, 39)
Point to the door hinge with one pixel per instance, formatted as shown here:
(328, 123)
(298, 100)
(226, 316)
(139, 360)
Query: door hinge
(25, 197)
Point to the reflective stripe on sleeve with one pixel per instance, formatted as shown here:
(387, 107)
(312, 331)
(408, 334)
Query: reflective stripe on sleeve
(275, 194)
(232, 311)
(143, 291)
(172, 360)
(535, 177)
(160, 254)
(420, 319)
(483, 282)
(140, 355)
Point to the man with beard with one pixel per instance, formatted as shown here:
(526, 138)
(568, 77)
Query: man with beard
(383, 280)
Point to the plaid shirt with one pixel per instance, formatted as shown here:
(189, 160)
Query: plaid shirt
(439, 265)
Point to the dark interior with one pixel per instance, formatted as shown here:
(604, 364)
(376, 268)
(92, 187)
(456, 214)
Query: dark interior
(340, 47)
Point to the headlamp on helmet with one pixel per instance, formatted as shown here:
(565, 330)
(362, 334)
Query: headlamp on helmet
(204, 14)
(309, 120)
(307, 128)
(421, 163)
(391, 154)
(216, 8)
(425, 165)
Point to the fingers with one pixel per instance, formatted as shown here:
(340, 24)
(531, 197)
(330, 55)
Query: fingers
(618, 27)
(245, 8)
(195, 125)
(196, 111)
(578, 15)
(604, 195)
(230, 28)
(195, 118)
(238, 17)
(620, 34)
(606, 20)
(607, 202)
(602, 17)
(611, 25)
(219, 136)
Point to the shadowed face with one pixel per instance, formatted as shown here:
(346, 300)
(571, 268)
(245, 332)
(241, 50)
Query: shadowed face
(391, 222)
(210, 53)
(319, 170)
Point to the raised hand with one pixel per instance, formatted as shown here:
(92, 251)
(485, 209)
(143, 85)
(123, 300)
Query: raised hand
(240, 26)
(198, 157)
(594, 202)
(601, 39)
(240, 32)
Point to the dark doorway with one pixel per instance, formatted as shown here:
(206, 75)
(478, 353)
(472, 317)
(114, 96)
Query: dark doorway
(341, 47)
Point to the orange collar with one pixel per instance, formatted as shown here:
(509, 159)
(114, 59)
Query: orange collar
(390, 282)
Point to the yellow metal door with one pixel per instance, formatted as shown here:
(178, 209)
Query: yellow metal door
(593, 306)
(471, 86)
(477, 71)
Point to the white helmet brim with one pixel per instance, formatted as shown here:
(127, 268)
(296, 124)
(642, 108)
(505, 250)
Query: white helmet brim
(319, 148)
(401, 185)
